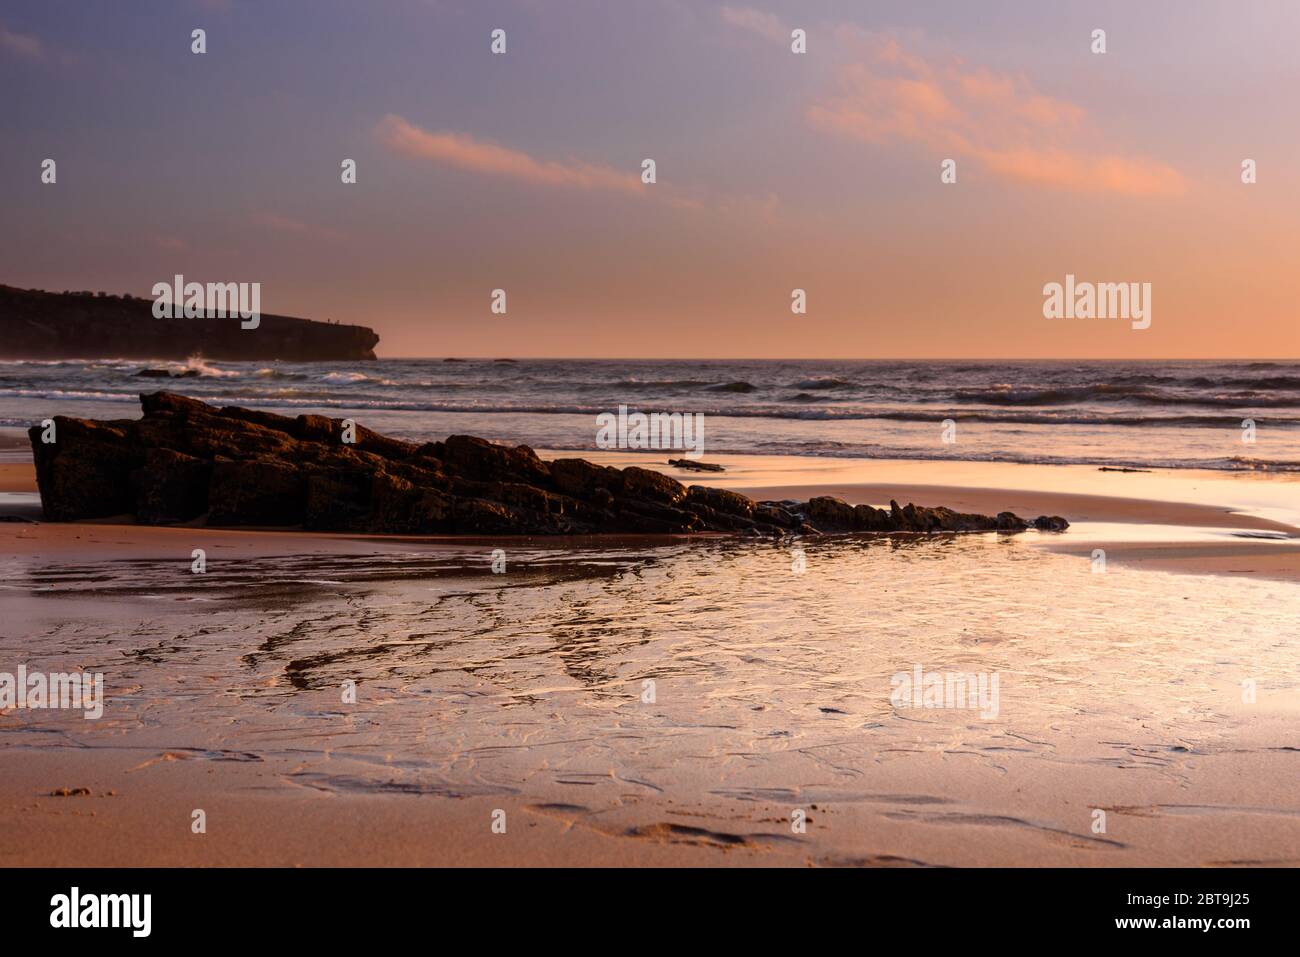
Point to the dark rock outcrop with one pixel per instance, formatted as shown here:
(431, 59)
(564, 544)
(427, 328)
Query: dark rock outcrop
(186, 461)
(82, 325)
(692, 466)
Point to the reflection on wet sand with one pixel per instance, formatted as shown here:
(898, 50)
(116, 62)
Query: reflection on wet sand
(771, 689)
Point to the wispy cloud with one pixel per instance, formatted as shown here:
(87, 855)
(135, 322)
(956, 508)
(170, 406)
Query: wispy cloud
(20, 44)
(284, 224)
(463, 151)
(999, 120)
(466, 152)
(766, 25)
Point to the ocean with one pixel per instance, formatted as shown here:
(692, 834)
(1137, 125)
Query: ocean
(1121, 414)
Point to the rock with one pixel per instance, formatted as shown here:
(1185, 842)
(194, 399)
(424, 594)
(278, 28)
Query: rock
(693, 466)
(338, 500)
(831, 514)
(167, 374)
(868, 519)
(479, 458)
(651, 516)
(383, 445)
(181, 405)
(170, 487)
(317, 428)
(187, 461)
(580, 478)
(1050, 523)
(713, 518)
(1010, 522)
(86, 472)
(256, 492)
(721, 500)
(639, 483)
(774, 513)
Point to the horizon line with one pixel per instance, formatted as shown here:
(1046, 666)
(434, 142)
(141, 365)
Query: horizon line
(500, 358)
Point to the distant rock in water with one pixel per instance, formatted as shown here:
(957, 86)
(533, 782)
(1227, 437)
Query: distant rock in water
(85, 325)
(187, 461)
(692, 466)
(167, 374)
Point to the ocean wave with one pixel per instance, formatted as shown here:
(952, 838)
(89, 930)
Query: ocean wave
(203, 368)
(1006, 395)
(632, 383)
(347, 377)
(1281, 382)
(824, 383)
(1176, 415)
(319, 398)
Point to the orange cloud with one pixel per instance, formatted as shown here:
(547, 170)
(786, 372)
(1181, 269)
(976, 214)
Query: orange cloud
(463, 151)
(998, 120)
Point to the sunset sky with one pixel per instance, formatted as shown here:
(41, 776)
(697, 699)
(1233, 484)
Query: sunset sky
(775, 170)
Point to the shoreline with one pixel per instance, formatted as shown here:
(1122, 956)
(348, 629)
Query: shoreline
(1187, 522)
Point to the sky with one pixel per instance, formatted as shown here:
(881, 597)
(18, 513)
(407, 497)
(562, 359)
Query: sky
(775, 171)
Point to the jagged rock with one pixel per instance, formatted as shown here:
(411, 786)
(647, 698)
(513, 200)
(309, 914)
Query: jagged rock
(187, 461)
(479, 458)
(721, 500)
(642, 483)
(868, 519)
(831, 514)
(775, 513)
(580, 478)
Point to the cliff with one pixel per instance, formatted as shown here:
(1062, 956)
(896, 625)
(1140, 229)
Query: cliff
(85, 325)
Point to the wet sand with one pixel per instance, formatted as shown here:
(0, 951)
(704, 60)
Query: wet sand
(479, 702)
(931, 810)
(17, 477)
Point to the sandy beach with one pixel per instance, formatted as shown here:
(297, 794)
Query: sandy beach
(449, 730)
